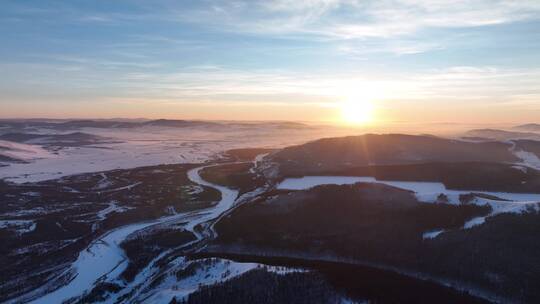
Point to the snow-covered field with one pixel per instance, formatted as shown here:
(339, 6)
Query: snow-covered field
(144, 146)
(74, 160)
(428, 192)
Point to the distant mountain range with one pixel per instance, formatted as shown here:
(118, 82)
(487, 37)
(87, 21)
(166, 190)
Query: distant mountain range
(175, 123)
(115, 124)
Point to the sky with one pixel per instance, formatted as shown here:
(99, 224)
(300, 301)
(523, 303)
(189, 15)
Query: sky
(410, 60)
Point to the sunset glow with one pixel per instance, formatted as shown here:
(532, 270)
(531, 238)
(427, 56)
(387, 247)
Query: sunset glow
(272, 60)
(357, 111)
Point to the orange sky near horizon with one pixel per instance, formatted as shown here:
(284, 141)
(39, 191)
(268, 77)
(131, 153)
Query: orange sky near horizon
(383, 112)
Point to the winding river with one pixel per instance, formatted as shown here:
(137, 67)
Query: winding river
(104, 259)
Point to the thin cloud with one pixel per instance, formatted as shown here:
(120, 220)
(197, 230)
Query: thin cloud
(348, 19)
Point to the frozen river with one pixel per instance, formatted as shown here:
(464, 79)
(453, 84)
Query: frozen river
(104, 259)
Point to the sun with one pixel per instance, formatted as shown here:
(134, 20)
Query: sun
(357, 111)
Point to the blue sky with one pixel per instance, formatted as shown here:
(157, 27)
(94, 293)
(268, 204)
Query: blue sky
(294, 59)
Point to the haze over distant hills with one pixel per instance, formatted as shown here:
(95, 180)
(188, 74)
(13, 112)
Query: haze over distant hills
(116, 123)
(495, 134)
(529, 127)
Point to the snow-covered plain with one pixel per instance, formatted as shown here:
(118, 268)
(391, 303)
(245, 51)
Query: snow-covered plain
(145, 146)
